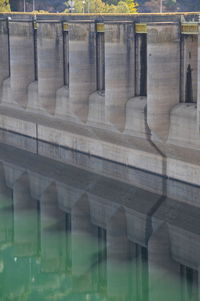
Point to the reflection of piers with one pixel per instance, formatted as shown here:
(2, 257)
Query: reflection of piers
(122, 236)
(6, 212)
(53, 236)
(84, 246)
(25, 213)
(117, 256)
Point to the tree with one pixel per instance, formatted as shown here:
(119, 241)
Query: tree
(132, 6)
(4, 6)
(98, 6)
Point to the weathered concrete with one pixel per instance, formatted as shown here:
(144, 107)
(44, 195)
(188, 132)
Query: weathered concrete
(50, 64)
(119, 71)
(57, 94)
(189, 66)
(198, 84)
(163, 54)
(4, 53)
(21, 61)
(183, 126)
(82, 60)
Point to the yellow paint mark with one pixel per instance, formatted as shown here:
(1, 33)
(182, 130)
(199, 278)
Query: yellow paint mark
(189, 28)
(35, 25)
(141, 28)
(100, 27)
(65, 27)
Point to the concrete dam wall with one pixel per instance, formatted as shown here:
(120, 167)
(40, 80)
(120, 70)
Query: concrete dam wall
(123, 88)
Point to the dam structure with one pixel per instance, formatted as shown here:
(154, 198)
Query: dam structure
(124, 88)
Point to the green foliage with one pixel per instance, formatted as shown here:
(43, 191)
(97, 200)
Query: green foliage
(132, 6)
(98, 6)
(110, 5)
(4, 6)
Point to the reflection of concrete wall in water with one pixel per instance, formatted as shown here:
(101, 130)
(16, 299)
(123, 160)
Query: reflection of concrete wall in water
(119, 213)
(124, 88)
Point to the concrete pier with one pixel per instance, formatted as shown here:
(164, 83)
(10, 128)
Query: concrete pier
(163, 54)
(119, 71)
(4, 53)
(50, 64)
(123, 88)
(21, 61)
(82, 61)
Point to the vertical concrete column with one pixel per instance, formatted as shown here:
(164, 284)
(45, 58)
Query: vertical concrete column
(50, 63)
(22, 71)
(25, 218)
(62, 95)
(119, 71)
(198, 82)
(164, 281)
(4, 52)
(118, 256)
(163, 75)
(53, 236)
(82, 61)
(189, 49)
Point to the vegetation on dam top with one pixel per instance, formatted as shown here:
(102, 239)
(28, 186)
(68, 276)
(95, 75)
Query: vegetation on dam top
(101, 6)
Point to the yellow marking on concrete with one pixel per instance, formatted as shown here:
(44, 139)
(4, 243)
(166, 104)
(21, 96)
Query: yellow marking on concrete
(65, 27)
(100, 27)
(141, 28)
(35, 25)
(189, 28)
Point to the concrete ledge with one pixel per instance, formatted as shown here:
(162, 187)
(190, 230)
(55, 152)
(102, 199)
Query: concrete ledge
(181, 163)
(18, 126)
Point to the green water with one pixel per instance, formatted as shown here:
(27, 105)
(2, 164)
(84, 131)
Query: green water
(42, 259)
(67, 233)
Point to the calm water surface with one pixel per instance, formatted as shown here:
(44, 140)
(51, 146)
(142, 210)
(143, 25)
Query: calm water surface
(67, 233)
